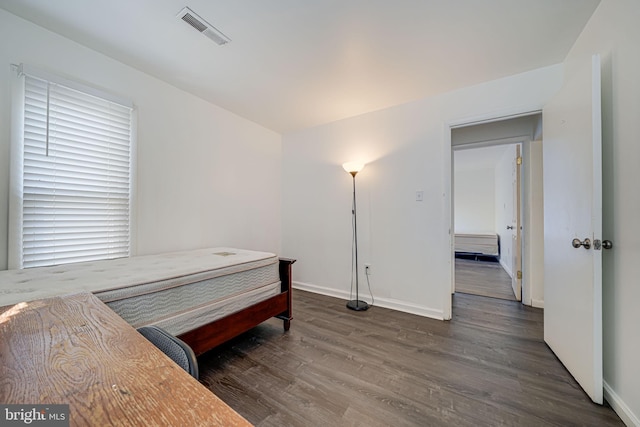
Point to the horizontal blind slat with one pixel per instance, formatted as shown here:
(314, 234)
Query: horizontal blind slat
(76, 181)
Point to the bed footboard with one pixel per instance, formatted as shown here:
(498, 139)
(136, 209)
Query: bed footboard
(215, 333)
(285, 279)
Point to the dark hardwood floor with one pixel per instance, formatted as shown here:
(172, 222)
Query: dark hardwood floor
(483, 278)
(487, 366)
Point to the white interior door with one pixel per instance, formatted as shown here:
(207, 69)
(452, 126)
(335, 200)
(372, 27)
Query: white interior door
(516, 245)
(572, 150)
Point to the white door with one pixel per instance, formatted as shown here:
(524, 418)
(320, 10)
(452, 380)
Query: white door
(516, 224)
(572, 150)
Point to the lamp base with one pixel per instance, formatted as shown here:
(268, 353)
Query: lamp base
(357, 305)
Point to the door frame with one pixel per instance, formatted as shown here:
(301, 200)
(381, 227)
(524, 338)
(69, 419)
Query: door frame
(516, 215)
(449, 288)
(519, 250)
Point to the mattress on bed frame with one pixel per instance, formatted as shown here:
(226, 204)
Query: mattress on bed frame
(183, 303)
(178, 291)
(478, 244)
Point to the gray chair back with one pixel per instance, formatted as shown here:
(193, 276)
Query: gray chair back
(175, 348)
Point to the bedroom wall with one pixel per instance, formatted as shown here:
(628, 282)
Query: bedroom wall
(613, 32)
(497, 132)
(474, 200)
(407, 149)
(204, 175)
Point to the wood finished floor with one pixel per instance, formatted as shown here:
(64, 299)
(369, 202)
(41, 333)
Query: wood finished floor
(483, 278)
(487, 366)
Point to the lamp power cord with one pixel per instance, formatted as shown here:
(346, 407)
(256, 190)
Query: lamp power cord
(353, 258)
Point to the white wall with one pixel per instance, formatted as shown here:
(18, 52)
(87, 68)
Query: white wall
(475, 204)
(511, 130)
(613, 31)
(204, 176)
(406, 148)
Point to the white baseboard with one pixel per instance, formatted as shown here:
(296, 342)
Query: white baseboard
(624, 412)
(537, 303)
(380, 302)
(330, 292)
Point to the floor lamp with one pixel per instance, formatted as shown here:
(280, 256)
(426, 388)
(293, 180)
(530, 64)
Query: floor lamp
(353, 168)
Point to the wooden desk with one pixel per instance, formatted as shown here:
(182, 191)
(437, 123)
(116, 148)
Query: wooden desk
(75, 350)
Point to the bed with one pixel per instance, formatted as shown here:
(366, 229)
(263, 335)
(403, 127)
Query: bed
(205, 296)
(477, 245)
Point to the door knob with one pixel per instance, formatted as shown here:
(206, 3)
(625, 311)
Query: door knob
(576, 243)
(509, 227)
(604, 244)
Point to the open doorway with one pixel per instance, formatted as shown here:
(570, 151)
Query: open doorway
(497, 209)
(487, 221)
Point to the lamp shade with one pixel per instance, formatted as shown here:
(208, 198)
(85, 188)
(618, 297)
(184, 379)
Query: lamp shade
(353, 167)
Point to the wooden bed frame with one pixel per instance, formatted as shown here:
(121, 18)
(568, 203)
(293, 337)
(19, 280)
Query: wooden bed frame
(208, 336)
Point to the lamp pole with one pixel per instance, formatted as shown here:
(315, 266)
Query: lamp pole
(356, 304)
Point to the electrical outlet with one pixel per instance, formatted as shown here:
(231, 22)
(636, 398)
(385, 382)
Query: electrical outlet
(367, 269)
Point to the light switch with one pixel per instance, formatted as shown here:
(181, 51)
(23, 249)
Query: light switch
(419, 196)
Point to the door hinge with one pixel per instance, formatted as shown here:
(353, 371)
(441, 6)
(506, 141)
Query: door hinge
(519, 274)
(519, 160)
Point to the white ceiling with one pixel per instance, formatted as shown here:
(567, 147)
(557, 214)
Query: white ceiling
(299, 63)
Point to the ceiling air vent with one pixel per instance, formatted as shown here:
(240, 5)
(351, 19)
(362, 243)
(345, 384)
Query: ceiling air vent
(192, 18)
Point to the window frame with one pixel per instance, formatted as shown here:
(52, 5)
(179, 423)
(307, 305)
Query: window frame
(16, 156)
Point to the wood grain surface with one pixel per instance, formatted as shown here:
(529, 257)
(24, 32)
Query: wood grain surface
(74, 350)
(488, 366)
(483, 278)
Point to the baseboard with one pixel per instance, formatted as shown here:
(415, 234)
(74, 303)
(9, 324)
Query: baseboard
(330, 292)
(624, 412)
(380, 302)
(537, 303)
(410, 308)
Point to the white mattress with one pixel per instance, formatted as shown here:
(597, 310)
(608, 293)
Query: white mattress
(183, 303)
(185, 321)
(115, 279)
(480, 243)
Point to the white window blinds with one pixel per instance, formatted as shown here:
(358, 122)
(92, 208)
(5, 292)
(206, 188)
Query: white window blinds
(76, 176)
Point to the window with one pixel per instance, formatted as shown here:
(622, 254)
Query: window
(71, 173)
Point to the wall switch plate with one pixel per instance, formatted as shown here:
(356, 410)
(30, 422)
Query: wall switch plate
(419, 196)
